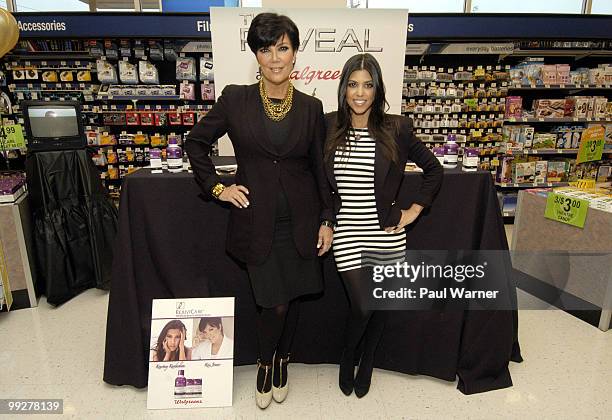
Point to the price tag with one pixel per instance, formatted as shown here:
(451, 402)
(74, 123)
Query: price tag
(11, 137)
(591, 144)
(584, 184)
(568, 210)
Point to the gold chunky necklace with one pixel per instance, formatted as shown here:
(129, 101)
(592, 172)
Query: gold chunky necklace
(276, 111)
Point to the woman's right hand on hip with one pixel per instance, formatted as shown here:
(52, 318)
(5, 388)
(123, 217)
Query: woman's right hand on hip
(237, 195)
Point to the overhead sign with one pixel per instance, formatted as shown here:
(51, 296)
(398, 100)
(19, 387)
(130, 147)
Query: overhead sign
(472, 48)
(426, 27)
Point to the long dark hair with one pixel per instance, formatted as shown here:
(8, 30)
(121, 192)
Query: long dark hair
(382, 127)
(159, 348)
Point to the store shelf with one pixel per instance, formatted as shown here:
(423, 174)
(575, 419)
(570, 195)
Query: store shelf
(503, 83)
(557, 87)
(542, 152)
(500, 117)
(531, 185)
(561, 53)
(139, 98)
(553, 120)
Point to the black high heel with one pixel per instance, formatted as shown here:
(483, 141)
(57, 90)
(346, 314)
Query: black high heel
(346, 374)
(363, 380)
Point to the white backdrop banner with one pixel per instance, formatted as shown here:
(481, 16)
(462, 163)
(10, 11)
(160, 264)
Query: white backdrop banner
(328, 38)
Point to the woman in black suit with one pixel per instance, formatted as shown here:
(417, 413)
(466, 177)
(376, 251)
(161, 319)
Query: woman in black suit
(280, 218)
(365, 153)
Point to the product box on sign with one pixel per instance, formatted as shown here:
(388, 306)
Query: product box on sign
(192, 353)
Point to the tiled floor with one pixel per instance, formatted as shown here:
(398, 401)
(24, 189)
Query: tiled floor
(58, 353)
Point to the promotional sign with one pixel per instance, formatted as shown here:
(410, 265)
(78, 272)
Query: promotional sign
(11, 137)
(568, 210)
(591, 144)
(328, 38)
(191, 359)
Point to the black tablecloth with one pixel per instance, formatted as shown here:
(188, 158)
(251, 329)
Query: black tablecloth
(171, 244)
(74, 223)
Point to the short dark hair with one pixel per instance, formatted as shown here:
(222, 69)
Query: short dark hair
(213, 321)
(267, 28)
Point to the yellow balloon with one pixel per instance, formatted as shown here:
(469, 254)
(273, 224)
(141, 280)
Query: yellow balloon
(9, 31)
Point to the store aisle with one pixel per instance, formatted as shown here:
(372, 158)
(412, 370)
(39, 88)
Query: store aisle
(58, 353)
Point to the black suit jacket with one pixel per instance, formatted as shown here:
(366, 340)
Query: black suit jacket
(388, 176)
(297, 168)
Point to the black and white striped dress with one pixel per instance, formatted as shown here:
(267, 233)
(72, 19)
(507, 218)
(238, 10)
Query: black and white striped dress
(358, 239)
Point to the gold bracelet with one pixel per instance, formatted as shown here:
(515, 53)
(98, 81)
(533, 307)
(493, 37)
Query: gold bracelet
(217, 190)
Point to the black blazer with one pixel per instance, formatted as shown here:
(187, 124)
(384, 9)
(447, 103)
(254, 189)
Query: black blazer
(388, 177)
(297, 168)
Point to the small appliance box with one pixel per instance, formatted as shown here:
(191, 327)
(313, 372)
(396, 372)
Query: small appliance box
(557, 171)
(541, 169)
(523, 172)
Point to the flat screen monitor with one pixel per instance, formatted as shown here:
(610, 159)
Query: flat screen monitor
(53, 125)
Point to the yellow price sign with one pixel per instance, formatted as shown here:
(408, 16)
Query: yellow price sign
(11, 137)
(591, 144)
(568, 210)
(583, 184)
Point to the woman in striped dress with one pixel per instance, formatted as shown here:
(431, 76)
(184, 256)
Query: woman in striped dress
(365, 153)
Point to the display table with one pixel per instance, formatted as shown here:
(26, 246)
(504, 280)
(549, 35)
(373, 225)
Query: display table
(171, 244)
(565, 265)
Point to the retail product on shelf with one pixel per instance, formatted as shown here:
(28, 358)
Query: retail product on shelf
(174, 156)
(106, 71)
(186, 68)
(597, 198)
(148, 73)
(451, 152)
(470, 159)
(187, 91)
(504, 170)
(128, 73)
(541, 172)
(549, 108)
(514, 107)
(557, 171)
(544, 141)
(206, 68)
(439, 154)
(208, 91)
